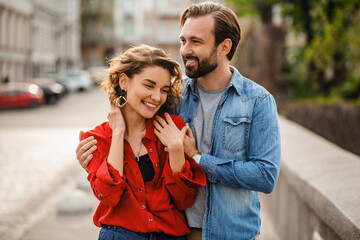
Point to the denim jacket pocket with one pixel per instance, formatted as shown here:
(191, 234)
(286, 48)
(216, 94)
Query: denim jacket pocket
(235, 133)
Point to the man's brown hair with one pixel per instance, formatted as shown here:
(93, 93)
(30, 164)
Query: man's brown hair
(227, 24)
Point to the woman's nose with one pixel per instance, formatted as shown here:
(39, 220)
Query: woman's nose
(156, 95)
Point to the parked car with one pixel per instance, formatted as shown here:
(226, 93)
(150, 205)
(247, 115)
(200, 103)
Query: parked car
(53, 91)
(75, 80)
(20, 95)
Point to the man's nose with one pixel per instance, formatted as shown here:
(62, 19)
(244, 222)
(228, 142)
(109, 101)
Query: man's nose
(185, 50)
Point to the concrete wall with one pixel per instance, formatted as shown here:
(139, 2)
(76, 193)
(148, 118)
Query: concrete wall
(317, 196)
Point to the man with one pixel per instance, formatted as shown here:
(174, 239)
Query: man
(234, 123)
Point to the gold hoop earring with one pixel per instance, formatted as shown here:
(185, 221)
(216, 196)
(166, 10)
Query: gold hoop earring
(119, 103)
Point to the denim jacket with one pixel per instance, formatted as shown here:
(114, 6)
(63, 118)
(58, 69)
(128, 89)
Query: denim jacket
(244, 157)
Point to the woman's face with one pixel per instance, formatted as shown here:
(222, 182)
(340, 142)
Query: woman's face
(146, 91)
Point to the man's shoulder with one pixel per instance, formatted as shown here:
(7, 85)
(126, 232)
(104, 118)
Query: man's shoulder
(102, 131)
(247, 88)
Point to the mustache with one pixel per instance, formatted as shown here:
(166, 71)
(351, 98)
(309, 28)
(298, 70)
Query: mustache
(190, 58)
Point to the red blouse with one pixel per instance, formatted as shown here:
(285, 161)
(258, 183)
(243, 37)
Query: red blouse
(154, 206)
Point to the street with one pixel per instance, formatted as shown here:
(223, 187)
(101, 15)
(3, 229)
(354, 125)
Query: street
(38, 155)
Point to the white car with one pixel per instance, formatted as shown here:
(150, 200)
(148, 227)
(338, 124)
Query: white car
(75, 80)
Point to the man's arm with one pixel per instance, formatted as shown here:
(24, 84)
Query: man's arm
(85, 150)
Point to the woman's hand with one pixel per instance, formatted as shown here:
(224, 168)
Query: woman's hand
(116, 120)
(169, 134)
(173, 140)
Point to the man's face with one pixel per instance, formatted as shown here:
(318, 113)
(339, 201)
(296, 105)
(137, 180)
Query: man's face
(198, 49)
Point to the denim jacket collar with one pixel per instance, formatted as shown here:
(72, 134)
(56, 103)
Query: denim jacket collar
(236, 82)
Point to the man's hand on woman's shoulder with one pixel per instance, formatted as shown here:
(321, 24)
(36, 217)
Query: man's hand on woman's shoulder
(85, 150)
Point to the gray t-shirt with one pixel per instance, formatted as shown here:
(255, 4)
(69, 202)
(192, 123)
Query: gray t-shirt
(203, 122)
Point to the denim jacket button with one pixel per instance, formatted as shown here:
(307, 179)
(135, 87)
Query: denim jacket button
(195, 99)
(217, 181)
(188, 120)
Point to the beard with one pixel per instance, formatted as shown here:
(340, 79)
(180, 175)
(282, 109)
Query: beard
(204, 66)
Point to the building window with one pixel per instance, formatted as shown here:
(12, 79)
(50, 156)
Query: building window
(108, 30)
(94, 5)
(177, 4)
(129, 27)
(163, 5)
(108, 4)
(2, 75)
(148, 5)
(148, 29)
(163, 29)
(128, 6)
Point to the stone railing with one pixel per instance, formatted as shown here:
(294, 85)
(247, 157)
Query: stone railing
(317, 196)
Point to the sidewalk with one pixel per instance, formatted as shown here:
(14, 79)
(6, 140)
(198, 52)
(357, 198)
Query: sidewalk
(76, 224)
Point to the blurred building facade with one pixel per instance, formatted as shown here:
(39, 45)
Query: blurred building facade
(97, 31)
(16, 39)
(109, 26)
(38, 37)
(154, 22)
(56, 36)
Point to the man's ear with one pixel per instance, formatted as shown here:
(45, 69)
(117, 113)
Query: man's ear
(123, 81)
(225, 47)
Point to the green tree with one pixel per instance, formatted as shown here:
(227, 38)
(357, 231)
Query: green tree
(328, 62)
(331, 29)
(262, 8)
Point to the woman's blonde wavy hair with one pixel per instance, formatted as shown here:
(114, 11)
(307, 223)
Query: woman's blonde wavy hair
(133, 61)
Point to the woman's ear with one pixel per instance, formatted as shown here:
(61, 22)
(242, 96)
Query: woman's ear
(123, 81)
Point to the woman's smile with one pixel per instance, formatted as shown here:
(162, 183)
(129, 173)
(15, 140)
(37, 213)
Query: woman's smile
(149, 105)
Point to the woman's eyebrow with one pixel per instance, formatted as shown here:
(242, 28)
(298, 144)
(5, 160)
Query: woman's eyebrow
(153, 82)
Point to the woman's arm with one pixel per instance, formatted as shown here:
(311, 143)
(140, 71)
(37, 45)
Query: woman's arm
(182, 175)
(105, 180)
(116, 152)
(107, 166)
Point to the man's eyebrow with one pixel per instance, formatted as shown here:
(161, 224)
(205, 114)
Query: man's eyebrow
(193, 38)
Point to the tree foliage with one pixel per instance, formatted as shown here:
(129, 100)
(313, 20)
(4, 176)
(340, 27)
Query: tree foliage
(328, 62)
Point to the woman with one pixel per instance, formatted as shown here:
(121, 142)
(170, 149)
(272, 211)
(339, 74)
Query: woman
(140, 173)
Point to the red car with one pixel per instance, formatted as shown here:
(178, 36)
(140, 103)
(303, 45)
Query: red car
(20, 94)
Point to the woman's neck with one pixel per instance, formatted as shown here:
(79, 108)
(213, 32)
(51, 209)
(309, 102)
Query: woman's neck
(135, 123)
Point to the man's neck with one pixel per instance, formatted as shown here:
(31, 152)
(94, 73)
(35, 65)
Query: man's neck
(217, 79)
